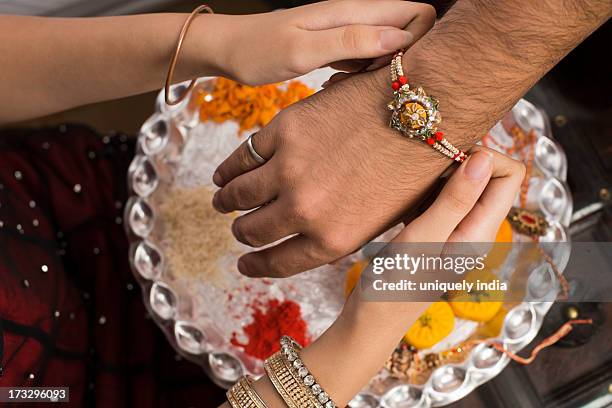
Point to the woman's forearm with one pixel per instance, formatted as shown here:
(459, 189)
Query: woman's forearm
(356, 346)
(353, 349)
(51, 64)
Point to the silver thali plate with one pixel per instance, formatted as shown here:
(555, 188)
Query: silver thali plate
(176, 149)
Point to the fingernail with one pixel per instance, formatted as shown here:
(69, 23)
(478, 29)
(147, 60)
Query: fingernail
(395, 39)
(243, 268)
(215, 202)
(478, 166)
(217, 179)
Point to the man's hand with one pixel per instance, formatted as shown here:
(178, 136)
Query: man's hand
(337, 176)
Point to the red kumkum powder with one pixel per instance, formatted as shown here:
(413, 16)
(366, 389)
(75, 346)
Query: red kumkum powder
(264, 333)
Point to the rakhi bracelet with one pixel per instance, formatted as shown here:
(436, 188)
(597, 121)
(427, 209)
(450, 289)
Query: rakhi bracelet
(290, 350)
(242, 395)
(415, 114)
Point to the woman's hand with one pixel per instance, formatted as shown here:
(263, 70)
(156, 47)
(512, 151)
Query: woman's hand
(470, 208)
(96, 59)
(346, 34)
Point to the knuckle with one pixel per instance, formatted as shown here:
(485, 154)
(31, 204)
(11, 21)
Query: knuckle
(350, 38)
(244, 234)
(334, 243)
(231, 198)
(288, 172)
(458, 202)
(247, 196)
(283, 125)
(244, 159)
(305, 207)
(301, 214)
(294, 55)
(273, 267)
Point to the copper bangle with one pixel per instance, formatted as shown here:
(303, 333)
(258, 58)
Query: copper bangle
(177, 51)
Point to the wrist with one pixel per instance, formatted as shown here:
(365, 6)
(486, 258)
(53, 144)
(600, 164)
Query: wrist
(420, 155)
(460, 121)
(356, 346)
(226, 47)
(205, 47)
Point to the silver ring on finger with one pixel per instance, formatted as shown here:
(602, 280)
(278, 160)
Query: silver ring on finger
(256, 156)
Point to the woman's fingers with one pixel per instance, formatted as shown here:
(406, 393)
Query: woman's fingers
(359, 29)
(482, 223)
(262, 226)
(396, 13)
(454, 203)
(247, 191)
(323, 47)
(242, 160)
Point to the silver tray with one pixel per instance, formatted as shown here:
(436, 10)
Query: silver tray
(168, 144)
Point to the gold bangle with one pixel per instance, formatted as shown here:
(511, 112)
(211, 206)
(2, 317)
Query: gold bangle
(290, 390)
(232, 400)
(247, 385)
(314, 402)
(242, 395)
(290, 352)
(179, 45)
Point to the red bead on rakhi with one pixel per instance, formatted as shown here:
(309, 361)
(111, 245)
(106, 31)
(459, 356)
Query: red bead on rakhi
(416, 115)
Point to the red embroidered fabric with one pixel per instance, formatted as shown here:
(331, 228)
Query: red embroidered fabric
(70, 311)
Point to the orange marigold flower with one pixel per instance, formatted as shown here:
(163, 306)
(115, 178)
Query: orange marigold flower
(249, 106)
